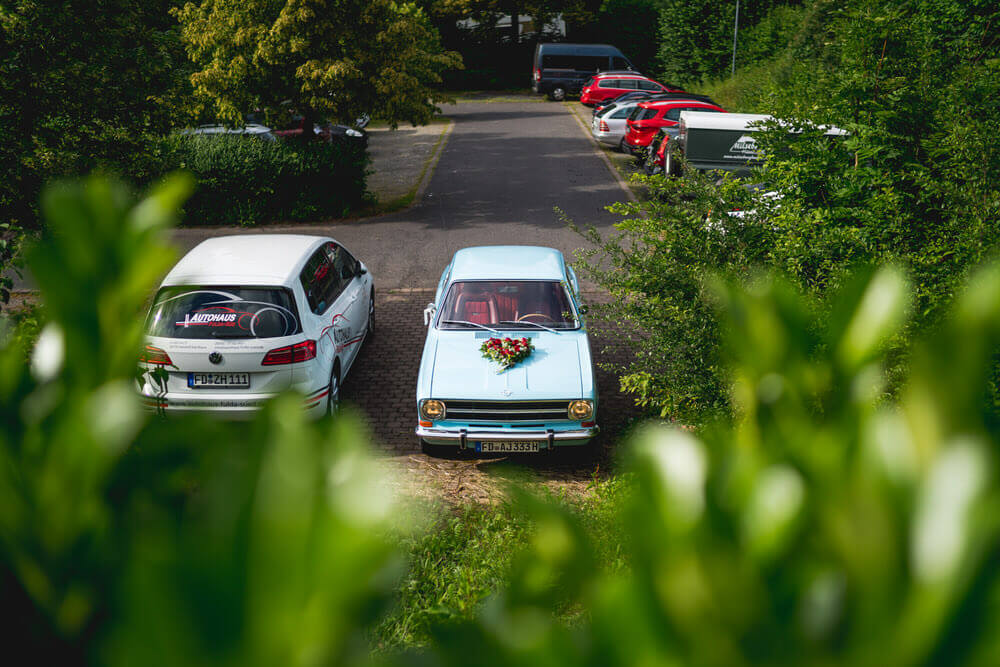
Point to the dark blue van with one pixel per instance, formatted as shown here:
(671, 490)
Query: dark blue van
(561, 69)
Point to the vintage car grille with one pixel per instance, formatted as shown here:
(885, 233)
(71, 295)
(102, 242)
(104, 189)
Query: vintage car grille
(538, 411)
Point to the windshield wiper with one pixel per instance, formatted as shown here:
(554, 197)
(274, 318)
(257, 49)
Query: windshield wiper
(471, 324)
(534, 324)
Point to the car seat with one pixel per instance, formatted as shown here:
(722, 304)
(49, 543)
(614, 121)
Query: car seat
(477, 306)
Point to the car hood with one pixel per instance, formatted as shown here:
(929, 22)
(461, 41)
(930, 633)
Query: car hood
(559, 367)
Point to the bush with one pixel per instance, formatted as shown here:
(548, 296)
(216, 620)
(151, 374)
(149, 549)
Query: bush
(654, 269)
(242, 181)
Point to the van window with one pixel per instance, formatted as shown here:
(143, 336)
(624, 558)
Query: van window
(575, 63)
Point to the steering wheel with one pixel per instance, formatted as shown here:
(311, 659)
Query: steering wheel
(541, 315)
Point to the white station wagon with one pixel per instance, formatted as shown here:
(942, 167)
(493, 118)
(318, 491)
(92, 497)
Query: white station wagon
(241, 318)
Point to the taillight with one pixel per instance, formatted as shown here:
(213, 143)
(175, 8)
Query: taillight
(538, 75)
(290, 354)
(603, 127)
(154, 355)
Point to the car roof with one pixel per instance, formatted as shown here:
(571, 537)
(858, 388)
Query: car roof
(249, 128)
(248, 259)
(656, 104)
(621, 75)
(744, 122)
(508, 262)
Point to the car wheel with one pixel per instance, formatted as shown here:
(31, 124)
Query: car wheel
(621, 146)
(671, 168)
(558, 94)
(333, 392)
(650, 166)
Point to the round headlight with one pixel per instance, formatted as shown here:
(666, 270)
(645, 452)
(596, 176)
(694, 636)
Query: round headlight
(432, 409)
(580, 410)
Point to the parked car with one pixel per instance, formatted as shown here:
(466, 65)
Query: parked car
(548, 399)
(561, 69)
(644, 95)
(327, 132)
(242, 318)
(252, 130)
(651, 116)
(609, 127)
(607, 86)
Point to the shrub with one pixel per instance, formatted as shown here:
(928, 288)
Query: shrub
(654, 270)
(243, 181)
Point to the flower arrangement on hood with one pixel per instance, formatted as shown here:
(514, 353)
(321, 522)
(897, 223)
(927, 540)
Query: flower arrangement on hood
(506, 351)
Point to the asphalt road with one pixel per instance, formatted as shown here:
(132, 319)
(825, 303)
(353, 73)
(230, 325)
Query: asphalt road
(504, 169)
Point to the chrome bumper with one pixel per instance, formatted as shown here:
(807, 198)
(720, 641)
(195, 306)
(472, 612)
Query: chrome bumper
(462, 437)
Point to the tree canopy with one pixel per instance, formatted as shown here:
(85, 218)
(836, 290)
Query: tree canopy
(338, 58)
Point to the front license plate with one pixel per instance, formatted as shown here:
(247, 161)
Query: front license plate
(506, 447)
(201, 380)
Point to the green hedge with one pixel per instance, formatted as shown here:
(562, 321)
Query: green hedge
(244, 181)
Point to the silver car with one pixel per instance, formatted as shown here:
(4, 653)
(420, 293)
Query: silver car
(608, 126)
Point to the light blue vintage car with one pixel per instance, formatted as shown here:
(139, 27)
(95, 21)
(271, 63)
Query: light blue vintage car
(548, 399)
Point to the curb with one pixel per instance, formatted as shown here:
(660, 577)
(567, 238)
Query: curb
(600, 153)
(428, 170)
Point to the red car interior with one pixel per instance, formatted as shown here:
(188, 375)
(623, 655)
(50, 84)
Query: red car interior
(494, 302)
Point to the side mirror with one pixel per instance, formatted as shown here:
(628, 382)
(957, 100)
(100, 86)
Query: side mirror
(429, 313)
(362, 269)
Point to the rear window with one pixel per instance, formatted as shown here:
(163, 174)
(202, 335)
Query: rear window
(223, 312)
(640, 113)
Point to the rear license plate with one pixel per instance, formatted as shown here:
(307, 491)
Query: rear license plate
(506, 447)
(201, 380)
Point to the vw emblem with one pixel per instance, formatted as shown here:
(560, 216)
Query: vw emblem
(215, 358)
(506, 392)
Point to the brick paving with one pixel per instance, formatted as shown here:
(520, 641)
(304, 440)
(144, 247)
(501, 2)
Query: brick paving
(382, 384)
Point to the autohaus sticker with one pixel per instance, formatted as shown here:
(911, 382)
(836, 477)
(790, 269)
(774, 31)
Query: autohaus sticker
(744, 148)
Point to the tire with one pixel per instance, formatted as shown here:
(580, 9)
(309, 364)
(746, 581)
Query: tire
(333, 392)
(671, 166)
(621, 146)
(557, 94)
(650, 166)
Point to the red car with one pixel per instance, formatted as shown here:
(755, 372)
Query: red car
(610, 84)
(648, 118)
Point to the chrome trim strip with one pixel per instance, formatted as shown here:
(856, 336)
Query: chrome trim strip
(464, 435)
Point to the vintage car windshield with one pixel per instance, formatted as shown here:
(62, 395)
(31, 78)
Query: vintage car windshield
(223, 312)
(507, 304)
